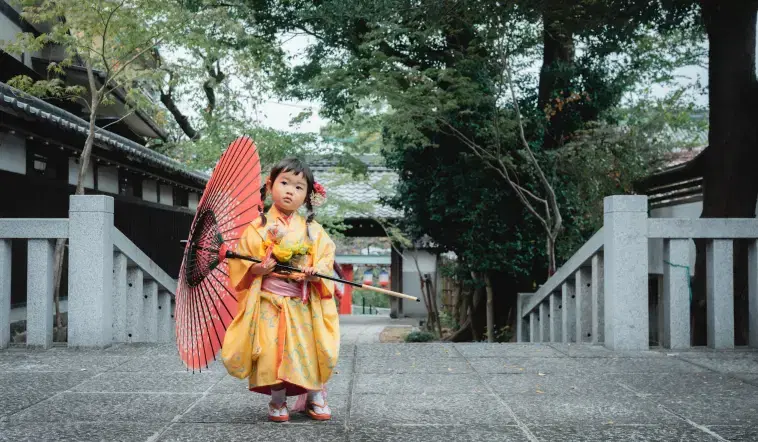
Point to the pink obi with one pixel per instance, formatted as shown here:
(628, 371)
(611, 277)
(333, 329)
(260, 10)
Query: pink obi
(281, 287)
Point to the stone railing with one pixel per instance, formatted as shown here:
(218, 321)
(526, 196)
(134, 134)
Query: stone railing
(601, 294)
(115, 292)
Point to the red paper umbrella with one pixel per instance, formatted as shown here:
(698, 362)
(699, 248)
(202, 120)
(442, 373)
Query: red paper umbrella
(206, 302)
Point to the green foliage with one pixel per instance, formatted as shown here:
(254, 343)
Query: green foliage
(371, 298)
(420, 336)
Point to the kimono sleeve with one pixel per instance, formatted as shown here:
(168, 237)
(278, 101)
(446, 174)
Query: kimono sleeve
(249, 245)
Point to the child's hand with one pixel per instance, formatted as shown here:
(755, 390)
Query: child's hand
(307, 274)
(263, 268)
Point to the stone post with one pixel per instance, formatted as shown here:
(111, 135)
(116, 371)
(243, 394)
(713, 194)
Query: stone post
(568, 316)
(165, 322)
(150, 312)
(544, 321)
(583, 291)
(90, 283)
(39, 294)
(676, 294)
(556, 317)
(626, 273)
(720, 293)
(534, 331)
(135, 299)
(5, 292)
(119, 297)
(598, 299)
(752, 293)
(522, 324)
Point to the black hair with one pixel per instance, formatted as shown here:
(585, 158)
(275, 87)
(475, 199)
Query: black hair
(297, 167)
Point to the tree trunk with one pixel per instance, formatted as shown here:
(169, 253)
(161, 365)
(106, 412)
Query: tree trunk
(476, 309)
(551, 261)
(556, 72)
(84, 158)
(455, 305)
(463, 312)
(464, 334)
(433, 297)
(490, 309)
(730, 185)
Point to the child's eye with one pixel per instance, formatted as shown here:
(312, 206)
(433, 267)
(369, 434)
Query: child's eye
(299, 187)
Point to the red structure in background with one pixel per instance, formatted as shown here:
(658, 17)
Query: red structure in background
(346, 303)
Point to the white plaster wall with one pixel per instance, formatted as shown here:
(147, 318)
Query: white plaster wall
(12, 153)
(73, 174)
(8, 32)
(167, 195)
(150, 191)
(107, 179)
(193, 200)
(427, 262)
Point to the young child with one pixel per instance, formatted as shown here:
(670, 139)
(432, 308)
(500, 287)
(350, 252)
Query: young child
(285, 337)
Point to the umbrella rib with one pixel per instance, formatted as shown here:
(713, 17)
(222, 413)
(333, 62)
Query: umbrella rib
(225, 288)
(245, 182)
(218, 180)
(229, 230)
(196, 321)
(237, 171)
(231, 174)
(206, 295)
(207, 310)
(224, 216)
(247, 209)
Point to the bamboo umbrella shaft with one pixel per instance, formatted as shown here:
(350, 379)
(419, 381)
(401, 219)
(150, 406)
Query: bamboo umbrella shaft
(233, 255)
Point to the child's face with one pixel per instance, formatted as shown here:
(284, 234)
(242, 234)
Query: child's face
(288, 191)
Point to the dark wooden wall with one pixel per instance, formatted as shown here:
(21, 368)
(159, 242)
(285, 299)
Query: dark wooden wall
(154, 229)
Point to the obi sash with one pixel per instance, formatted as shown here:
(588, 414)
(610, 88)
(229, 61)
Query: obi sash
(281, 287)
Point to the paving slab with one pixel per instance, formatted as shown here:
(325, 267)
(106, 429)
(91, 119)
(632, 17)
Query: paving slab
(583, 366)
(395, 392)
(620, 433)
(576, 409)
(163, 363)
(107, 407)
(598, 351)
(717, 410)
(263, 432)
(408, 351)
(555, 384)
(736, 432)
(473, 410)
(78, 431)
(436, 433)
(480, 350)
(412, 365)
(729, 362)
(422, 383)
(693, 385)
(19, 390)
(149, 382)
(59, 360)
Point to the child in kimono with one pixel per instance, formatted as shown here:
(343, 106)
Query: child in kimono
(285, 336)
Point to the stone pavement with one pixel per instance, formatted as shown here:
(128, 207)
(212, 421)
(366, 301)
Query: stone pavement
(389, 392)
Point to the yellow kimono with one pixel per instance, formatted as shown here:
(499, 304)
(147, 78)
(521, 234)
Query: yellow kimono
(277, 339)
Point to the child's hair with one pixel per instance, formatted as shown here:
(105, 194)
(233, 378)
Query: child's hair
(297, 167)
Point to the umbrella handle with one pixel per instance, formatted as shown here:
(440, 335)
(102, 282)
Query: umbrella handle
(232, 255)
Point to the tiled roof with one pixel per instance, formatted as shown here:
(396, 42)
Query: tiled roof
(359, 191)
(17, 101)
(365, 190)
